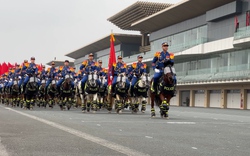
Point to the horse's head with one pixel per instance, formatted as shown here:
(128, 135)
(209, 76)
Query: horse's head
(102, 80)
(144, 81)
(168, 75)
(53, 84)
(68, 79)
(33, 81)
(121, 80)
(92, 77)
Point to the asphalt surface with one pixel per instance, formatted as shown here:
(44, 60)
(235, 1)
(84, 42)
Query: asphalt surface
(189, 132)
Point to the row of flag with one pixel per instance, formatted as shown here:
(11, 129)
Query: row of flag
(5, 67)
(236, 21)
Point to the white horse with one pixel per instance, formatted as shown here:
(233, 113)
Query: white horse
(141, 93)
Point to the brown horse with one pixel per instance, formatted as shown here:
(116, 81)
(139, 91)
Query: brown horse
(51, 93)
(163, 93)
(66, 95)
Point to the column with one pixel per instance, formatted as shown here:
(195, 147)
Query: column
(207, 98)
(223, 101)
(243, 93)
(178, 98)
(192, 98)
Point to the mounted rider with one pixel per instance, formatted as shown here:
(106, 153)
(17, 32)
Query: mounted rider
(102, 72)
(31, 70)
(10, 77)
(42, 74)
(118, 68)
(88, 66)
(51, 73)
(23, 72)
(63, 72)
(138, 68)
(160, 60)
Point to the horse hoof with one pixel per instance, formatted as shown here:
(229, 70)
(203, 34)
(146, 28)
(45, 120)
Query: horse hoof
(93, 112)
(83, 111)
(143, 111)
(109, 112)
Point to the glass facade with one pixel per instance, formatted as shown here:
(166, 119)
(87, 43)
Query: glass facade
(220, 66)
(183, 40)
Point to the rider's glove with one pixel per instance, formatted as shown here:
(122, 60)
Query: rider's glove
(157, 70)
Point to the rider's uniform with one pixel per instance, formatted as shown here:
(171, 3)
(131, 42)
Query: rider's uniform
(102, 72)
(119, 68)
(51, 73)
(87, 67)
(158, 65)
(63, 72)
(137, 69)
(32, 69)
(23, 72)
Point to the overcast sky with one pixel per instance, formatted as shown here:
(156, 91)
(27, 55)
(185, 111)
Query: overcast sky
(52, 28)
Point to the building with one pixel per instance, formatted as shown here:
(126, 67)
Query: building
(211, 42)
(125, 45)
(60, 63)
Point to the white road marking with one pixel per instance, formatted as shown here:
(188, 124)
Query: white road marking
(148, 137)
(187, 123)
(194, 148)
(98, 124)
(3, 151)
(97, 140)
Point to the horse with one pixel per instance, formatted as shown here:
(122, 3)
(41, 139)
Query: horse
(90, 93)
(163, 93)
(41, 97)
(31, 92)
(51, 93)
(15, 92)
(121, 93)
(102, 93)
(66, 93)
(141, 93)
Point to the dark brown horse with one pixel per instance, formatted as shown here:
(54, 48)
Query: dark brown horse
(66, 95)
(51, 93)
(163, 93)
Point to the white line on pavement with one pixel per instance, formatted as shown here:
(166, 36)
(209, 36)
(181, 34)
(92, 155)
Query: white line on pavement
(188, 123)
(3, 151)
(97, 140)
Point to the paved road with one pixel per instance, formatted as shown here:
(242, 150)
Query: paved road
(189, 131)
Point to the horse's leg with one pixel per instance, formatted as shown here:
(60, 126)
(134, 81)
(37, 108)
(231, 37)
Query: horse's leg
(144, 102)
(88, 102)
(109, 102)
(94, 103)
(152, 95)
(83, 102)
(163, 105)
(118, 104)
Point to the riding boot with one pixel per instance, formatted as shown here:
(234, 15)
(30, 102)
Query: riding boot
(154, 87)
(58, 90)
(113, 90)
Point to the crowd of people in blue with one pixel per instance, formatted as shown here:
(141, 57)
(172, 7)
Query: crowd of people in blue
(27, 69)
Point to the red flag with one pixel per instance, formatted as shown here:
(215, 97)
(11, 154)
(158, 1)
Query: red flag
(4, 68)
(247, 18)
(0, 68)
(112, 58)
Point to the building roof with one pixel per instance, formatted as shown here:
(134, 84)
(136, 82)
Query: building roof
(179, 12)
(135, 12)
(104, 43)
(60, 63)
